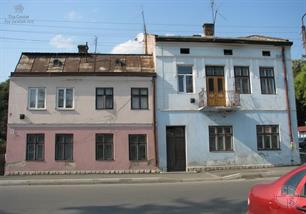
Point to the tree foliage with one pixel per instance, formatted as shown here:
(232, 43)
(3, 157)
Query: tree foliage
(4, 94)
(299, 72)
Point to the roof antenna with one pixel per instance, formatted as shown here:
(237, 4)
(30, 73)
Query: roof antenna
(304, 33)
(144, 31)
(213, 11)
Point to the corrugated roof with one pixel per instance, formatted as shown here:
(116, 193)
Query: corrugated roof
(84, 63)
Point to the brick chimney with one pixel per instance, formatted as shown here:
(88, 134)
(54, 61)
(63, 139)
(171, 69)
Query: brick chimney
(83, 48)
(209, 29)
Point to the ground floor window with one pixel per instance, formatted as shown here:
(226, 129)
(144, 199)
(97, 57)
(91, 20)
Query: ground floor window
(137, 147)
(220, 138)
(64, 147)
(35, 147)
(268, 137)
(104, 147)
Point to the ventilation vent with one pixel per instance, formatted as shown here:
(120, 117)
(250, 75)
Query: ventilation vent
(266, 53)
(228, 52)
(57, 63)
(185, 51)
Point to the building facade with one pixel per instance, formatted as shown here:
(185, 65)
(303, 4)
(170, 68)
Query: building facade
(81, 112)
(224, 102)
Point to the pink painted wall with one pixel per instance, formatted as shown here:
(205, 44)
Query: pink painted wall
(83, 149)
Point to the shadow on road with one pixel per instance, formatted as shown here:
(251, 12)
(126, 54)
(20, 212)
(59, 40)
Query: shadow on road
(216, 206)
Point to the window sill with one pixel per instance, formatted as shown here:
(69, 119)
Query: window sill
(35, 161)
(138, 161)
(107, 109)
(232, 151)
(69, 161)
(105, 160)
(140, 109)
(268, 150)
(65, 109)
(37, 109)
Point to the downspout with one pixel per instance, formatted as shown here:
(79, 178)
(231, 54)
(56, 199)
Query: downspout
(288, 108)
(154, 121)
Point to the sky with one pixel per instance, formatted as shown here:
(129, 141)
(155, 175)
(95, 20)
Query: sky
(60, 25)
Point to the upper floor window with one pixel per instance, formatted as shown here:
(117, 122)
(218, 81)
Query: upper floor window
(242, 79)
(139, 98)
(266, 53)
(220, 138)
(35, 147)
(185, 79)
(65, 98)
(228, 52)
(37, 98)
(185, 51)
(267, 81)
(267, 137)
(104, 98)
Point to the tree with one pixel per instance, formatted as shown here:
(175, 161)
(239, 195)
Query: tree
(299, 72)
(4, 94)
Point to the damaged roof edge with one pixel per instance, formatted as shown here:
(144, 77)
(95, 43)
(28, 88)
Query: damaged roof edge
(80, 54)
(222, 40)
(52, 74)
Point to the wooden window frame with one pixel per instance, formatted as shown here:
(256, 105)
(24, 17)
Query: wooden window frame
(103, 144)
(104, 96)
(35, 147)
(265, 79)
(63, 144)
(224, 134)
(138, 143)
(140, 96)
(263, 134)
(241, 78)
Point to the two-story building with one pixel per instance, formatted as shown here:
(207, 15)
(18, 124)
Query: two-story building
(81, 113)
(224, 102)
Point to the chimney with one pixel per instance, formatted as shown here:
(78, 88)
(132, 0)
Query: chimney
(209, 29)
(83, 48)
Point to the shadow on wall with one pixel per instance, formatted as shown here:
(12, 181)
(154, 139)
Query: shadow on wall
(2, 159)
(216, 206)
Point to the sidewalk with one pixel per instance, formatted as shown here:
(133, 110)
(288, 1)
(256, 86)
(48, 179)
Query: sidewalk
(144, 178)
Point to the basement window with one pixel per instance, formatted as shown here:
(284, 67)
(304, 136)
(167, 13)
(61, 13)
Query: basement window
(266, 53)
(228, 52)
(185, 51)
(57, 63)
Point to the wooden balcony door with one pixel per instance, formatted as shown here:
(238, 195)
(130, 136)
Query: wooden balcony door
(215, 86)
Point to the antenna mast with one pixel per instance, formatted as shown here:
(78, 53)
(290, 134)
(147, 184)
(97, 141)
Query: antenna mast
(96, 43)
(144, 32)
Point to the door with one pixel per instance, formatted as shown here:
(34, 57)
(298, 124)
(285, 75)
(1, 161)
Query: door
(176, 155)
(215, 85)
(215, 92)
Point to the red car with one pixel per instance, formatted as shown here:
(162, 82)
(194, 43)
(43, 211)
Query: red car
(285, 195)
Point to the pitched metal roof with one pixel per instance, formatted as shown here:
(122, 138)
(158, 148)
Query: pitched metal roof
(84, 64)
(252, 39)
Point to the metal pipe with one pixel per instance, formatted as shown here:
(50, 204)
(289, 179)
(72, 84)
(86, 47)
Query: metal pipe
(154, 121)
(288, 108)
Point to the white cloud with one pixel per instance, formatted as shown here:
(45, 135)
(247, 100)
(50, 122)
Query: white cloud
(73, 16)
(60, 41)
(131, 46)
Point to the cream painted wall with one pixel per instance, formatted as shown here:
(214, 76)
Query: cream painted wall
(84, 111)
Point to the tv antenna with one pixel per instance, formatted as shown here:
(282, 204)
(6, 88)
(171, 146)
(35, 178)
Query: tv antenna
(213, 11)
(96, 43)
(144, 31)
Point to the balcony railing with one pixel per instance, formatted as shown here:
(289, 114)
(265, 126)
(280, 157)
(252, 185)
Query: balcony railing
(232, 101)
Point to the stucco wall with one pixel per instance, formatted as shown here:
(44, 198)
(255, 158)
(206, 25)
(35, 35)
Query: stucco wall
(84, 151)
(85, 111)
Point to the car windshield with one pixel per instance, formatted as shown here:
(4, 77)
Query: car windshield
(290, 186)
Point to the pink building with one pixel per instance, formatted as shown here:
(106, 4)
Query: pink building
(81, 113)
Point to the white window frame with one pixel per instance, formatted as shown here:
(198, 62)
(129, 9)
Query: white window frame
(64, 104)
(36, 98)
(184, 79)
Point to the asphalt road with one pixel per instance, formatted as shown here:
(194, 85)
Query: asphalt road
(179, 198)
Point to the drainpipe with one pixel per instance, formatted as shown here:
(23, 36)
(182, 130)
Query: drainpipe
(287, 101)
(154, 121)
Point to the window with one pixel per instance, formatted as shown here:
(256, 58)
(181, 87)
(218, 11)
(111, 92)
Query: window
(37, 98)
(214, 70)
(266, 53)
(104, 146)
(290, 186)
(242, 79)
(267, 80)
(267, 137)
(185, 80)
(139, 98)
(65, 98)
(137, 147)
(64, 147)
(228, 52)
(185, 51)
(104, 98)
(35, 147)
(220, 138)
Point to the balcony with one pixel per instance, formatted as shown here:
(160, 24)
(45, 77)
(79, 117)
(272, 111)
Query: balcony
(225, 102)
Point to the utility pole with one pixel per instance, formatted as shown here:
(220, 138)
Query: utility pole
(144, 32)
(304, 34)
(96, 43)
